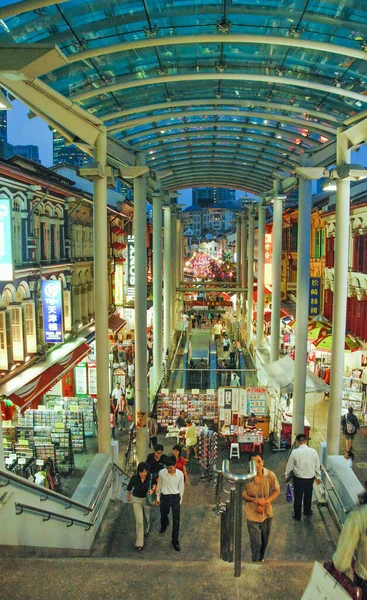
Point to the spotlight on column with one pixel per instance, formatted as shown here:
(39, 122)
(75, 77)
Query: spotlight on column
(329, 185)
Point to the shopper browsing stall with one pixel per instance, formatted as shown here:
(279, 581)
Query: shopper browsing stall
(259, 495)
(140, 485)
(191, 439)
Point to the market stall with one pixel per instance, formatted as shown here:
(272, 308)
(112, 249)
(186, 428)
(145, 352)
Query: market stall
(280, 376)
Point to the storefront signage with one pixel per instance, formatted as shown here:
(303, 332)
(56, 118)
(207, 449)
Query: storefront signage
(80, 375)
(52, 311)
(92, 379)
(149, 265)
(314, 296)
(268, 257)
(283, 277)
(6, 243)
(130, 261)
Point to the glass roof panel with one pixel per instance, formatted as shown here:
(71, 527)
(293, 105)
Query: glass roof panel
(79, 27)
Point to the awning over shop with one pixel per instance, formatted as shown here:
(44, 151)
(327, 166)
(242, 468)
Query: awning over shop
(281, 375)
(38, 379)
(267, 292)
(267, 315)
(115, 323)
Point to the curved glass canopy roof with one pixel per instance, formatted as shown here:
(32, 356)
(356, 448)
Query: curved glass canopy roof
(216, 93)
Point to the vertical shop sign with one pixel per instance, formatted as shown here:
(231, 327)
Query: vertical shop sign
(149, 265)
(80, 373)
(6, 242)
(283, 277)
(68, 385)
(314, 296)
(130, 261)
(268, 258)
(92, 379)
(52, 311)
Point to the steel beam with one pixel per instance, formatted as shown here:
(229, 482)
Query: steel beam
(129, 84)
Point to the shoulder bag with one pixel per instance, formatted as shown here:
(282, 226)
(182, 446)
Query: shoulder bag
(350, 587)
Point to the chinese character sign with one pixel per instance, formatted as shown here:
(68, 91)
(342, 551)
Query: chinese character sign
(130, 261)
(314, 296)
(52, 311)
(6, 245)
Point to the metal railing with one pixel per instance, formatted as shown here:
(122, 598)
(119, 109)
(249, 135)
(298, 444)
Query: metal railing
(98, 498)
(330, 489)
(230, 510)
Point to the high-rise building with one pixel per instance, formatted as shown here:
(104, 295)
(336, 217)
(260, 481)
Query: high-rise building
(4, 123)
(28, 151)
(68, 154)
(207, 196)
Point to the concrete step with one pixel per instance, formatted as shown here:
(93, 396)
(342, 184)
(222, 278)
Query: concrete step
(178, 578)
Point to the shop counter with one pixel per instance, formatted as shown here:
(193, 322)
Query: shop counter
(286, 432)
(246, 440)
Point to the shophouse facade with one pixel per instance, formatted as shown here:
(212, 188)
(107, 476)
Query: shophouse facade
(52, 239)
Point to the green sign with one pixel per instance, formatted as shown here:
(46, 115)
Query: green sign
(6, 244)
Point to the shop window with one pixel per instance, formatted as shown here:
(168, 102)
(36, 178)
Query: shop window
(294, 237)
(322, 243)
(17, 332)
(30, 326)
(329, 256)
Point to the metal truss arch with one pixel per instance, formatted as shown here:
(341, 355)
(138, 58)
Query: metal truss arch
(279, 80)
(224, 101)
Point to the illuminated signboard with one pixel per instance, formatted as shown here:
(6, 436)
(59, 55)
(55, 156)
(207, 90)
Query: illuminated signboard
(6, 244)
(52, 311)
(314, 297)
(130, 261)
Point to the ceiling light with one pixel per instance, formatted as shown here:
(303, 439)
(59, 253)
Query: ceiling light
(329, 185)
(4, 102)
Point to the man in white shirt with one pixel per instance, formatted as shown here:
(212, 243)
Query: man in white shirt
(116, 395)
(170, 491)
(304, 464)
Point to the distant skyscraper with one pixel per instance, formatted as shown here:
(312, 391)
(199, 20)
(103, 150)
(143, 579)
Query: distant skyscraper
(68, 154)
(28, 151)
(208, 196)
(4, 123)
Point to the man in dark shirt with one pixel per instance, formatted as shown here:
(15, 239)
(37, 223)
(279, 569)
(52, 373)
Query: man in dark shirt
(156, 461)
(181, 420)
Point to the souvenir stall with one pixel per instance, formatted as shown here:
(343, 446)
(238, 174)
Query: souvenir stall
(280, 376)
(234, 405)
(198, 406)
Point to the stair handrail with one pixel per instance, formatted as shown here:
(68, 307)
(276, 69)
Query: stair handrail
(50, 494)
(231, 513)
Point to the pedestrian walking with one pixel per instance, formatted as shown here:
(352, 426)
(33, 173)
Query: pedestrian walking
(180, 461)
(235, 380)
(156, 461)
(350, 426)
(259, 495)
(112, 422)
(140, 485)
(352, 546)
(120, 411)
(153, 431)
(116, 394)
(233, 353)
(170, 491)
(303, 466)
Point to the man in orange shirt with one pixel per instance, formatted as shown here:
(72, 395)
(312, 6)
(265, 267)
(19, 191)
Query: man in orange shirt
(258, 496)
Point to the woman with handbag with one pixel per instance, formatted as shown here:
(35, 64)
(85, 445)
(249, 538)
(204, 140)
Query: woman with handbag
(352, 544)
(140, 485)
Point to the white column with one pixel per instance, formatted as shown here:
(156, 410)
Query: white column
(141, 384)
(260, 276)
(157, 289)
(173, 268)
(238, 267)
(250, 262)
(244, 263)
(178, 265)
(101, 296)
(340, 297)
(276, 277)
(167, 278)
(303, 285)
